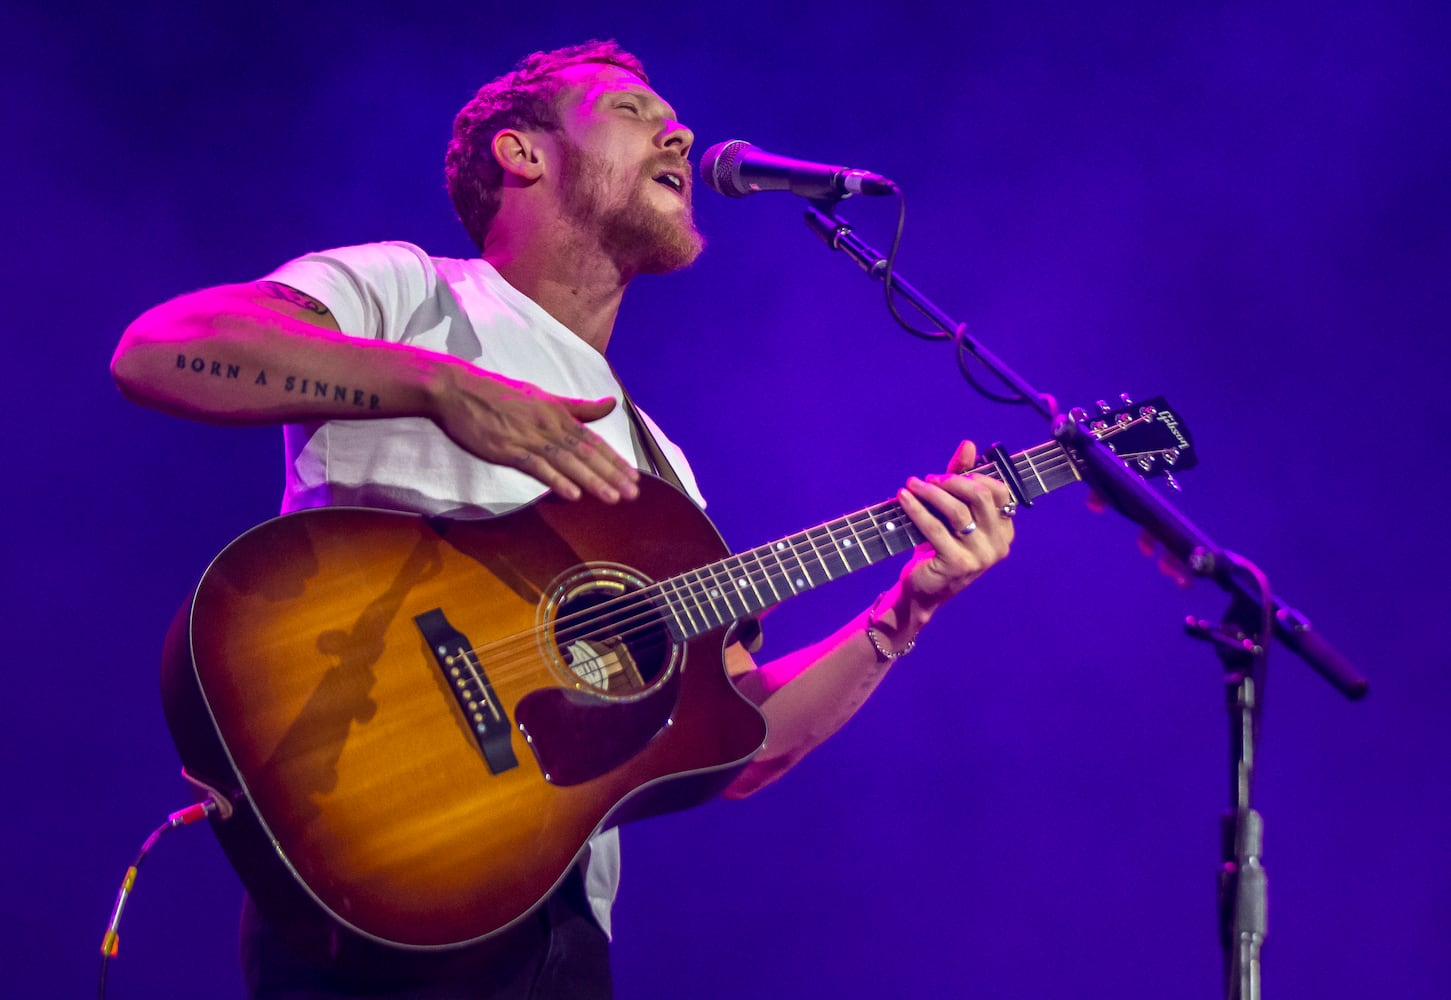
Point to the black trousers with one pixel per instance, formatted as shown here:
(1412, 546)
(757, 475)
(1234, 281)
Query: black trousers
(557, 953)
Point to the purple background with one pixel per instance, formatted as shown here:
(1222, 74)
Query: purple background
(1242, 206)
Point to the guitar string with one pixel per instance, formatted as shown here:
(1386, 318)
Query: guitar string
(768, 574)
(647, 612)
(754, 562)
(804, 543)
(763, 570)
(651, 616)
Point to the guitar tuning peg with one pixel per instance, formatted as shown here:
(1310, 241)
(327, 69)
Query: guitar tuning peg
(1145, 462)
(1172, 483)
(1103, 406)
(1125, 397)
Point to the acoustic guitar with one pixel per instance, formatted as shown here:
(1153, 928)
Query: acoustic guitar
(419, 722)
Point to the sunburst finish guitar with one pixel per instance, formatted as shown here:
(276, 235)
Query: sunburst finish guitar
(421, 721)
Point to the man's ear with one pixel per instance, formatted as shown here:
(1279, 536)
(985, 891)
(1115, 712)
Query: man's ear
(518, 154)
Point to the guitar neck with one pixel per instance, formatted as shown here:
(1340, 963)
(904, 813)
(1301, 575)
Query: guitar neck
(746, 584)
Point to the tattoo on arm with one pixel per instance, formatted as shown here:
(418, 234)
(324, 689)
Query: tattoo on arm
(277, 290)
(299, 385)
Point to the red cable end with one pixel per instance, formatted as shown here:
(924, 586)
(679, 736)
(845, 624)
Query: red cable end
(189, 815)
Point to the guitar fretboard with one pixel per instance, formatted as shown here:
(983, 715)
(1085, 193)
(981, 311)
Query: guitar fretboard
(745, 584)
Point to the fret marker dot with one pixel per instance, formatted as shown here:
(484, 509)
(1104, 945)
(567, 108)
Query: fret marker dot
(742, 584)
(715, 593)
(780, 546)
(846, 544)
(891, 526)
(800, 582)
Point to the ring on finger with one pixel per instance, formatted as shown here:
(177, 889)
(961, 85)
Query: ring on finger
(966, 529)
(1009, 509)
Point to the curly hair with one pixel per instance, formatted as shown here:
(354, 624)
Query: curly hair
(524, 99)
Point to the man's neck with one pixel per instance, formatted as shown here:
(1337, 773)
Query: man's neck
(579, 286)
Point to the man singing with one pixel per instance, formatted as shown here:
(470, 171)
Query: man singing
(470, 387)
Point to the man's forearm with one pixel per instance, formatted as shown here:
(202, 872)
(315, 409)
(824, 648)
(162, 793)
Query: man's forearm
(267, 354)
(809, 694)
(219, 356)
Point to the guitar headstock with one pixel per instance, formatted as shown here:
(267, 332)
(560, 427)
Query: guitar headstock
(1148, 436)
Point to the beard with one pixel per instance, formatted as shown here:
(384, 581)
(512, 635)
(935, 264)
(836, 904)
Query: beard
(637, 235)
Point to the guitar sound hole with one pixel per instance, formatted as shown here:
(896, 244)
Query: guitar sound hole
(609, 637)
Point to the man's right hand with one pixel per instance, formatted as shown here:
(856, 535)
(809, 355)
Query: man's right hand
(518, 424)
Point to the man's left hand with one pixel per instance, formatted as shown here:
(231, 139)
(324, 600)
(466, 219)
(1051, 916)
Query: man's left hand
(973, 533)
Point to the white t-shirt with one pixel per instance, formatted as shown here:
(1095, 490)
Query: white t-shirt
(396, 292)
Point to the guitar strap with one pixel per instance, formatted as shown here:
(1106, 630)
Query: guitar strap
(748, 630)
(645, 441)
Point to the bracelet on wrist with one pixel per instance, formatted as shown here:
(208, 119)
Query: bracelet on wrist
(884, 655)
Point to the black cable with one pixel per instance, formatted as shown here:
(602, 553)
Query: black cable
(964, 352)
(964, 355)
(891, 271)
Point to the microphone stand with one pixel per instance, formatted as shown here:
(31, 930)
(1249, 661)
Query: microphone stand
(1241, 639)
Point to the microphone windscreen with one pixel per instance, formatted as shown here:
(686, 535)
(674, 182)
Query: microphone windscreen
(718, 168)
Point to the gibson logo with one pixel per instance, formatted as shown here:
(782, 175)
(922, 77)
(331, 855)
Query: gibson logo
(1167, 419)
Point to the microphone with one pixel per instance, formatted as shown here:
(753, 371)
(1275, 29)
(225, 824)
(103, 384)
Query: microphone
(737, 168)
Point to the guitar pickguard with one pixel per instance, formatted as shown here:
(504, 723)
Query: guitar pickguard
(578, 736)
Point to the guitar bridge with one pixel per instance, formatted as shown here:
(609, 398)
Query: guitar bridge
(465, 675)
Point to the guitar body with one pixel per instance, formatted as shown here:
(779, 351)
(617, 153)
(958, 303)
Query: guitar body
(417, 736)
